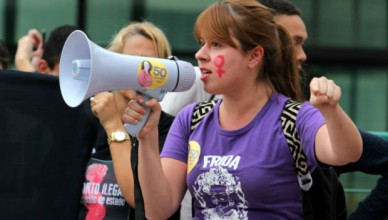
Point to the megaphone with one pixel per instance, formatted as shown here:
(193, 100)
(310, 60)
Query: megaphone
(87, 69)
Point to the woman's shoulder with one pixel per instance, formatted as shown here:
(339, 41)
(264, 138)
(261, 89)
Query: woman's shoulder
(188, 109)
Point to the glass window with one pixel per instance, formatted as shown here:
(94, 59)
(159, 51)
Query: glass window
(336, 27)
(105, 18)
(2, 19)
(372, 29)
(177, 18)
(44, 15)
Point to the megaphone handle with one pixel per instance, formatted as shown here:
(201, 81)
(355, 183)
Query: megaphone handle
(134, 130)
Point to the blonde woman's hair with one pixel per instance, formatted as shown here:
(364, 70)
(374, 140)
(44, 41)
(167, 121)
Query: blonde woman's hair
(145, 29)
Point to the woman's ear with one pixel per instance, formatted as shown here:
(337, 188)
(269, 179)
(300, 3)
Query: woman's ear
(255, 56)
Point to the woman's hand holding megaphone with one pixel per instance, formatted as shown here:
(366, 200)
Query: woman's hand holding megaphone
(105, 109)
(144, 111)
(135, 116)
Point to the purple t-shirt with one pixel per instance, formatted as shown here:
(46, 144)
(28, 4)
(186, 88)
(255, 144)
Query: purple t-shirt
(244, 173)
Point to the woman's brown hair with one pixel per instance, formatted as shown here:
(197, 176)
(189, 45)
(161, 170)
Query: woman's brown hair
(252, 24)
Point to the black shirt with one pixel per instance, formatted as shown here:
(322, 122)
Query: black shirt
(111, 205)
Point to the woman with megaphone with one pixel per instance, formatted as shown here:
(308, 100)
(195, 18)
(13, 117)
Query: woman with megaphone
(236, 162)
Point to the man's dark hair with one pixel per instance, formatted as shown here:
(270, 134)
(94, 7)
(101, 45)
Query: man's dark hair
(53, 47)
(4, 55)
(281, 7)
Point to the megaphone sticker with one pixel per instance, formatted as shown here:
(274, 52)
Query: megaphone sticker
(152, 74)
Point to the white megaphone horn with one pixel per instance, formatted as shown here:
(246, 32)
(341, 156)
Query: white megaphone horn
(87, 69)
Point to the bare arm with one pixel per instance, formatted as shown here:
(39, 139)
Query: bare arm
(339, 141)
(105, 109)
(29, 51)
(162, 180)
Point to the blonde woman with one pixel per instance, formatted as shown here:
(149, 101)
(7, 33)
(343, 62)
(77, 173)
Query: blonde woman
(140, 39)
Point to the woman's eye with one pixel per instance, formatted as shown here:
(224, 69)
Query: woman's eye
(214, 44)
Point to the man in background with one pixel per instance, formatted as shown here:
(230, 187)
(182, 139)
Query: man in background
(35, 55)
(374, 159)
